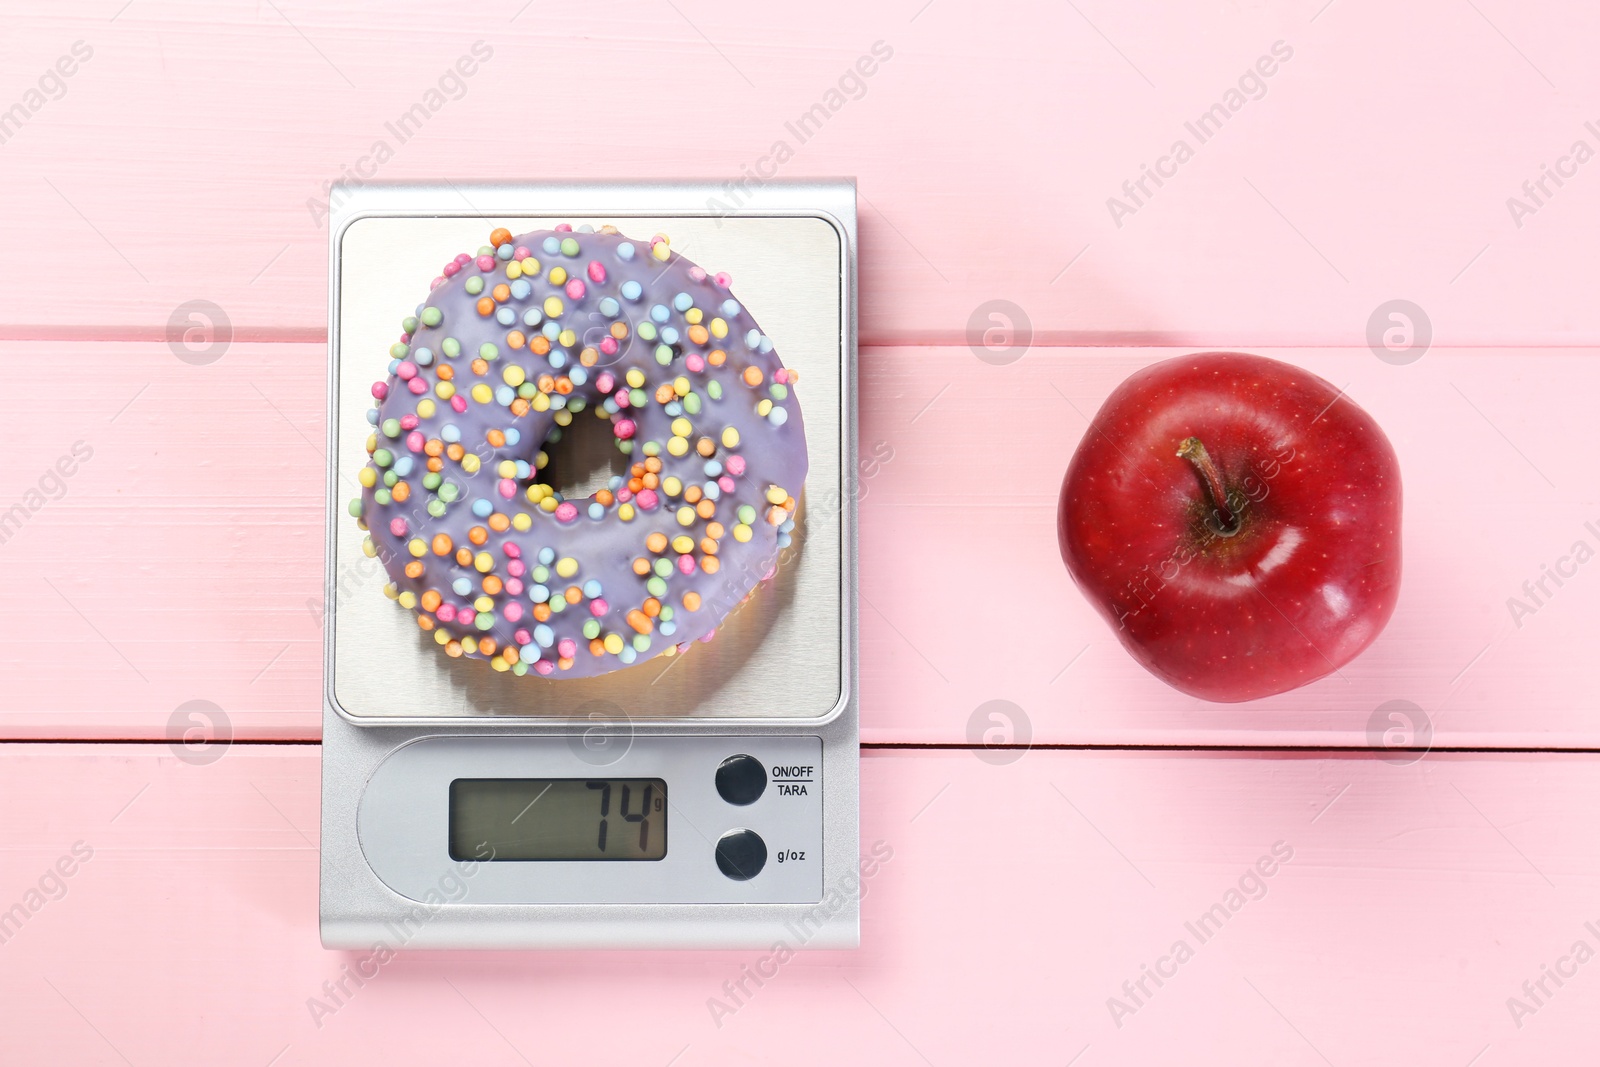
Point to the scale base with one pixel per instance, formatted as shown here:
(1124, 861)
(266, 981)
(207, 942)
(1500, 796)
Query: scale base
(360, 911)
(778, 690)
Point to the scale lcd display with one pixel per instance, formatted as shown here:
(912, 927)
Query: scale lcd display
(494, 819)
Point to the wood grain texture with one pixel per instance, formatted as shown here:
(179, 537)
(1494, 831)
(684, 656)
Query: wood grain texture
(184, 560)
(181, 560)
(1377, 162)
(1417, 900)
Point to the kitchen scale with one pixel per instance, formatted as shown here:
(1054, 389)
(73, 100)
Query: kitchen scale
(702, 800)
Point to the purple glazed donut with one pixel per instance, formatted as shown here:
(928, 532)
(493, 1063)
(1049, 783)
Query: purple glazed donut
(511, 346)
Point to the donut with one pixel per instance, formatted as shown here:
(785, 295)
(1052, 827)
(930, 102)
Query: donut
(516, 345)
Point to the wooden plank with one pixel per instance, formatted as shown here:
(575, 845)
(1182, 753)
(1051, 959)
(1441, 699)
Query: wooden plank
(1378, 161)
(184, 559)
(1031, 891)
(961, 569)
(187, 548)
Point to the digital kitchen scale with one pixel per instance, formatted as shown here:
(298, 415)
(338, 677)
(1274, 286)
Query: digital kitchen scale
(702, 800)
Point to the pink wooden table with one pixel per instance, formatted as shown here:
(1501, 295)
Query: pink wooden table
(156, 153)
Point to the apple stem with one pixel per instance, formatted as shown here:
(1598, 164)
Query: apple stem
(1224, 521)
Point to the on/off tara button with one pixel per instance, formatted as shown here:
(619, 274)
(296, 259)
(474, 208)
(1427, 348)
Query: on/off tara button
(741, 779)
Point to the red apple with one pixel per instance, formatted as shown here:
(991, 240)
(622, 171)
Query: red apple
(1237, 521)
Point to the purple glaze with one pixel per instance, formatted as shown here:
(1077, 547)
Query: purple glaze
(768, 454)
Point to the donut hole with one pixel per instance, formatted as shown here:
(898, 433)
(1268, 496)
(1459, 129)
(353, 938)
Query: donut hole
(585, 459)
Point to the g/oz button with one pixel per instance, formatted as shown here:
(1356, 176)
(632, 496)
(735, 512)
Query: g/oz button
(741, 854)
(741, 779)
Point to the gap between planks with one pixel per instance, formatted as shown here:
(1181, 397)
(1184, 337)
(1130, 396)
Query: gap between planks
(303, 335)
(1311, 751)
